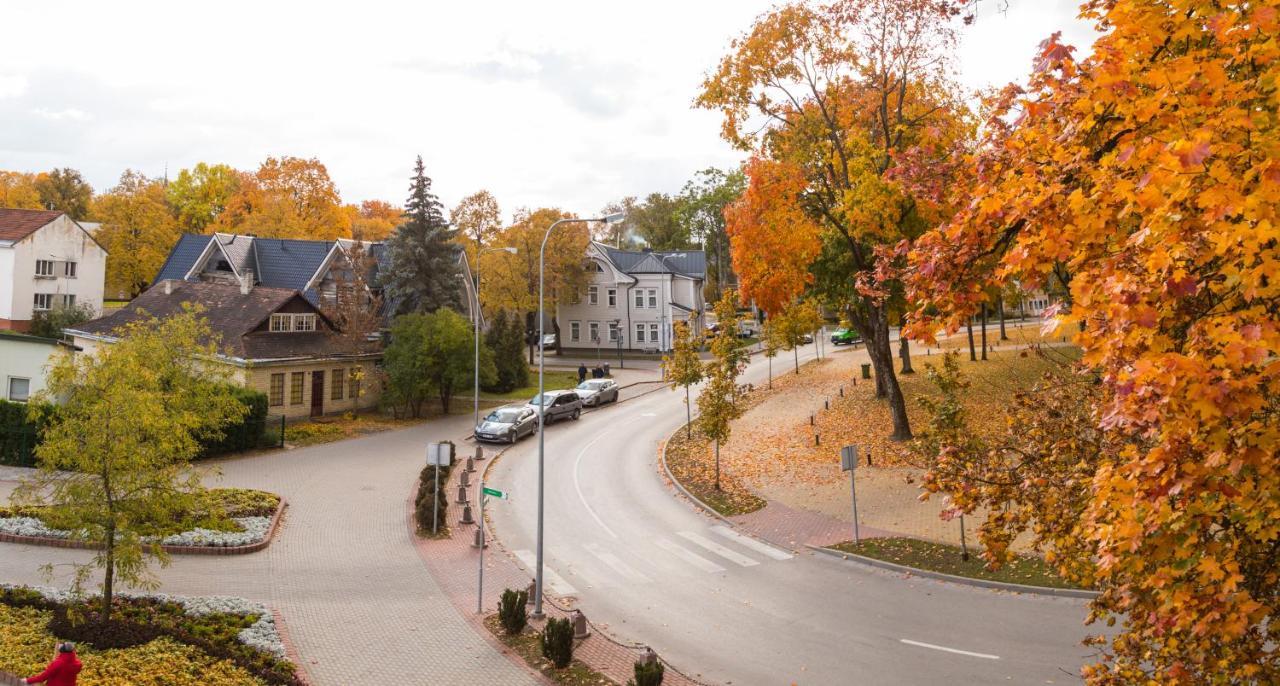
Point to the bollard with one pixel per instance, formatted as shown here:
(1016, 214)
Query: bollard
(868, 457)
(810, 420)
(648, 657)
(817, 439)
(826, 403)
(479, 453)
(471, 464)
(476, 543)
(529, 590)
(466, 515)
(464, 478)
(580, 629)
(462, 495)
(842, 391)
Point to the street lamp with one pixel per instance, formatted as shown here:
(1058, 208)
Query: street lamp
(666, 305)
(475, 319)
(542, 401)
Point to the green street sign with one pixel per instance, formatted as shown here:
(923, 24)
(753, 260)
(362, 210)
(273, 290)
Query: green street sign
(494, 492)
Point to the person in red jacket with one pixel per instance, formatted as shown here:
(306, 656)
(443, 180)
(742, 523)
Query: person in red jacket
(62, 671)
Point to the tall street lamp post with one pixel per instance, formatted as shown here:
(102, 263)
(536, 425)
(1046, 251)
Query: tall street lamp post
(475, 319)
(542, 400)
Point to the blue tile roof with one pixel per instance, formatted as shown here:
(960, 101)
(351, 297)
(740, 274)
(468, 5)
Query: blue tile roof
(287, 262)
(182, 257)
(688, 262)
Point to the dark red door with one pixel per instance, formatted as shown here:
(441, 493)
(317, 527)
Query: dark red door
(317, 394)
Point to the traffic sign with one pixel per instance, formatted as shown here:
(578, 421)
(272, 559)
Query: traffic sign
(494, 492)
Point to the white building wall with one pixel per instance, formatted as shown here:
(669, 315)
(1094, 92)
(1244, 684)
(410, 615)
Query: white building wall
(7, 257)
(25, 359)
(62, 240)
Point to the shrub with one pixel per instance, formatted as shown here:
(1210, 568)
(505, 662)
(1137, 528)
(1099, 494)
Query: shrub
(20, 434)
(245, 434)
(648, 674)
(427, 497)
(511, 611)
(557, 642)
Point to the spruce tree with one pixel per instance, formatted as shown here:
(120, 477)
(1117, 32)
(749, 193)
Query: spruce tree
(506, 339)
(423, 273)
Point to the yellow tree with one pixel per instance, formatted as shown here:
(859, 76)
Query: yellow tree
(373, 220)
(137, 231)
(716, 403)
(683, 367)
(199, 195)
(1146, 177)
(287, 197)
(18, 190)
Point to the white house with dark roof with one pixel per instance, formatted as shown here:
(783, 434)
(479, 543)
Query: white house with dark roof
(47, 260)
(633, 297)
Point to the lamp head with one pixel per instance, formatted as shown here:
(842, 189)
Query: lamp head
(614, 218)
(511, 249)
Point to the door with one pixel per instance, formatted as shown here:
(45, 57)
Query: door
(317, 393)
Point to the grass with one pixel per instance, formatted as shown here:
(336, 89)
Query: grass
(329, 429)
(526, 645)
(1028, 570)
(692, 464)
(554, 380)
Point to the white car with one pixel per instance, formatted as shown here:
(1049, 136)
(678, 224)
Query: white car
(596, 392)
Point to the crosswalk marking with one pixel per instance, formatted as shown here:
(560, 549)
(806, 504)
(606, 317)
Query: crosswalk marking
(549, 575)
(730, 555)
(696, 560)
(749, 542)
(616, 563)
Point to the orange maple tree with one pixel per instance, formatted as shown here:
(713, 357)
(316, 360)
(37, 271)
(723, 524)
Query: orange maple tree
(1147, 177)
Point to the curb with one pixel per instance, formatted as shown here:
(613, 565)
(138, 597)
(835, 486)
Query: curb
(962, 580)
(174, 549)
(290, 651)
(662, 460)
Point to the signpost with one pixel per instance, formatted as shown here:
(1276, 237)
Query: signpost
(849, 463)
(480, 583)
(438, 455)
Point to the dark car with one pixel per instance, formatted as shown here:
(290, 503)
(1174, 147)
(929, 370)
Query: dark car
(559, 404)
(845, 337)
(596, 392)
(508, 423)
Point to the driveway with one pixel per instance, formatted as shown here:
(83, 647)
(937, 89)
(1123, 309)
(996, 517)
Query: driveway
(358, 603)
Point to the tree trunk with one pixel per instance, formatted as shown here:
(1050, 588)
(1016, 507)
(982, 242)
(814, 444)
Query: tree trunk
(904, 352)
(555, 328)
(688, 414)
(984, 331)
(717, 464)
(796, 350)
(770, 371)
(973, 353)
(1000, 306)
(882, 359)
(109, 576)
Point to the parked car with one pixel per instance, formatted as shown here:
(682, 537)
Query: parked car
(844, 336)
(507, 423)
(807, 338)
(549, 341)
(559, 404)
(596, 392)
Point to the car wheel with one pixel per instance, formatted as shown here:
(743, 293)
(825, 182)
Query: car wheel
(511, 436)
(576, 413)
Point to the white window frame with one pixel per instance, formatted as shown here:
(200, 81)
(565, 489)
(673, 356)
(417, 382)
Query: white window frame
(44, 269)
(286, 322)
(593, 295)
(639, 333)
(612, 294)
(8, 389)
(575, 330)
(42, 302)
(613, 332)
(593, 332)
(281, 323)
(304, 322)
(68, 299)
(653, 298)
(654, 335)
(69, 269)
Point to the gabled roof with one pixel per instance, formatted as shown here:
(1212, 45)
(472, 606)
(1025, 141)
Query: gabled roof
(16, 224)
(239, 251)
(182, 257)
(691, 263)
(275, 262)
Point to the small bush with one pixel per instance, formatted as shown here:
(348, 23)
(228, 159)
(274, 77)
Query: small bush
(557, 642)
(511, 611)
(245, 434)
(427, 497)
(648, 674)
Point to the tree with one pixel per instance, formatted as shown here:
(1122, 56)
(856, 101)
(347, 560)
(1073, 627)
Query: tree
(422, 274)
(716, 404)
(65, 190)
(771, 335)
(18, 190)
(683, 367)
(793, 323)
(733, 356)
(373, 220)
(506, 339)
(702, 206)
(199, 195)
(854, 124)
(138, 231)
(52, 322)
(1143, 178)
(478, 218)
(432, 354)
(114, 468)
(287, 197)
(405, 362)
(355, 308)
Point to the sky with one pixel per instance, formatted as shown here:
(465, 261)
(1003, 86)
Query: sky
(549, 103)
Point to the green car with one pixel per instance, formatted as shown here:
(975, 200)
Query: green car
(845, 337)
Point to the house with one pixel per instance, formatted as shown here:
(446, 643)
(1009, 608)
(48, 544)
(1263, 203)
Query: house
(47, 260)
(633, 297)
(25, 362)
(275, 340)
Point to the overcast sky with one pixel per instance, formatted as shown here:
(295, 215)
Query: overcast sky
(568, 104)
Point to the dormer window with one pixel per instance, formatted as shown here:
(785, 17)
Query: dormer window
(223, 266)
(286, 322)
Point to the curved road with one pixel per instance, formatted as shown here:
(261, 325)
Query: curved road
(655, 570)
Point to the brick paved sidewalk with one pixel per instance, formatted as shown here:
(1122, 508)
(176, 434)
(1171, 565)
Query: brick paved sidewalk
(792, 528)
(453, 563)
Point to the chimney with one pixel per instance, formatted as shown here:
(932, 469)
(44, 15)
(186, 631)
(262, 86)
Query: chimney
(246, 282)
(167, 284)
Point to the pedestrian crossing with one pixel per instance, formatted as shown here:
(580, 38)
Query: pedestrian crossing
(710, 551)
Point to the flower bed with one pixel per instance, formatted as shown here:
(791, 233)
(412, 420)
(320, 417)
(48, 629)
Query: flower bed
(244, 520)
(152, 639)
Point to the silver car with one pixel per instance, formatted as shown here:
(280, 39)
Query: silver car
(507, 423)
(596, 392)
(560, 404)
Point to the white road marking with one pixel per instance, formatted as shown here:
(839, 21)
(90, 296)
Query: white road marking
(696, 560)
(626, 570)
(549, 575)
(649, 414)
(732, 556)
(949, 650)
(577, 486)
(749, 542)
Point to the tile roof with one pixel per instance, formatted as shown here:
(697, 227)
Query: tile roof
(182, 257)
(276, 262)
(239, 250)
(687, 262)
(16, 224)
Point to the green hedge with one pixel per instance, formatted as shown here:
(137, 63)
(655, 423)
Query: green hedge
(245, 435)
(19, 434)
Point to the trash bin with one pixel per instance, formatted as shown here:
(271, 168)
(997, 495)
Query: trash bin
(866, 370)
(606, 369)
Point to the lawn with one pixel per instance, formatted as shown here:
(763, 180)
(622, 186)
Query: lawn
(1028, 570)
(553, 380)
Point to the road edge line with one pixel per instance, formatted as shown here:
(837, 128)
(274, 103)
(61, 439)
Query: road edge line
(962, 580)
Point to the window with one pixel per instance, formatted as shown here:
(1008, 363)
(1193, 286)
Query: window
(593, 295)
(277, 390)
(296, 381)
(43, 302)
(594, 329)
(639, 298)
(69, 300)
(639, 333)
(613, 297)
(354, 383)
(44, 268)
(293, 322)
(653, 333)
(653, 297)
(69, 270)
(19, 389)
(338, 376)
(613, 332)
(574, 328)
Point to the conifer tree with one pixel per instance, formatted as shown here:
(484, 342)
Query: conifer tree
(423, 273)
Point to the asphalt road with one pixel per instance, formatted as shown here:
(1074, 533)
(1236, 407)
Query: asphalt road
(653, 569)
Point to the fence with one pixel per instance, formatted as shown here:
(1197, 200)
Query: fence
(18, 445)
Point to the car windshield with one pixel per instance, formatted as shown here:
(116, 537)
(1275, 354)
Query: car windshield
(537, 399)
(591, 385)
(503, 416)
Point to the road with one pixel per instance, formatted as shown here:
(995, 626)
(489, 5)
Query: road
(739, 611)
